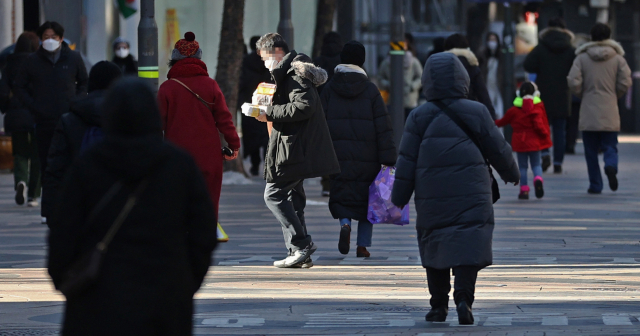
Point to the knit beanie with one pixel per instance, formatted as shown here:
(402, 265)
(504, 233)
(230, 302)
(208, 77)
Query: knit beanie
(186, 47)
(102, 74)
(354, 53)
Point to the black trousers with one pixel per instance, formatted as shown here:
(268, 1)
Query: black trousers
(44, 135)
(464, 286)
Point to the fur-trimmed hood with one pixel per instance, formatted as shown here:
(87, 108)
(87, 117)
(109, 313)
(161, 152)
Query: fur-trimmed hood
(466, 53)
(315, 74)
(546, 31)
(601, 50)
(556, 39)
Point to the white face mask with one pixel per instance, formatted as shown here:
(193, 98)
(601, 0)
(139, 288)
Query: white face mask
(50, 45)
(122, 52)
(492, 45)
(271, 64)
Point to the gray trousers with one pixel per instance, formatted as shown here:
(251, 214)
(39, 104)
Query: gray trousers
(287, 200)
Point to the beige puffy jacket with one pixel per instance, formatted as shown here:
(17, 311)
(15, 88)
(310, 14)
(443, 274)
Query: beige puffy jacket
(600, 76)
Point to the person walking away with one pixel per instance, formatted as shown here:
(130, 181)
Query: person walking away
(531, 134)
(573, 128)
(362, 137)
(158, 258)
(329, 58)
(600, 76)
(300, 145)
(76, 131)
(492, 72)
(254, 133)
(458, 45)
(412, 73)
(122, 57)
(19, 123)
(192, 124)
(452, 184)
(551, 61)
(48, 81)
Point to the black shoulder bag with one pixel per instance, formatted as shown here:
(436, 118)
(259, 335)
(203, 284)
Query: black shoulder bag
(495, 190)
(85, 271)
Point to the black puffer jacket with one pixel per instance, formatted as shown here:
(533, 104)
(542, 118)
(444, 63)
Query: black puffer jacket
(478, 84)
(254, 132)
(552, 60)
(128, 65)
(447, 171)
(47, 88)
(17, 117)
(362, 138)
(300, 145)
(66, 144)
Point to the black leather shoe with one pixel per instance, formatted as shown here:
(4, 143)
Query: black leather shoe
(437, 314)
(593, 192)
(465, 317)
(345, 239)
(611, 175)
(557, 169)
(546, 162)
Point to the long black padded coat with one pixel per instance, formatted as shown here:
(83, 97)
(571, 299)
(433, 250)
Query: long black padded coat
(447, 171)
(362, 137)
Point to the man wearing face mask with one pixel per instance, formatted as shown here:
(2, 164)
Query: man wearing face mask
(48, 81)
(300, 145)
(123, 58)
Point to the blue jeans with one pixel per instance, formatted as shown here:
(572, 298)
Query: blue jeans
(365, 231)
(523, 163)
(559, 135)
(593, 141)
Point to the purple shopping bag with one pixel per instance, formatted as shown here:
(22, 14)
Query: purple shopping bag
(381, 210)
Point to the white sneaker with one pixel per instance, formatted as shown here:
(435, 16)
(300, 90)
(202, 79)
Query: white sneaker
(21, 193)
(297, 257)
(308, 263)
(32, 202)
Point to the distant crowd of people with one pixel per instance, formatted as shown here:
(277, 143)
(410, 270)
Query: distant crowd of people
(131, 179)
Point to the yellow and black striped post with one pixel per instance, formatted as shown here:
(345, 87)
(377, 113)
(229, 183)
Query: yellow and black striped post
(148, 44)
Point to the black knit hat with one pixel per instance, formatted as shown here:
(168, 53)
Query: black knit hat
(102, 74)
(354, 53)
(131, 109)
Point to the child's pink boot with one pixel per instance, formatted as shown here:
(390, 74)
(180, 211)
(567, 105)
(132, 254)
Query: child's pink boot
(537, 185)
(524, 192)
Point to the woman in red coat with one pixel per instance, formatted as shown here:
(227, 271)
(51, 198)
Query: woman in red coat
(191, 123)
(530, 135)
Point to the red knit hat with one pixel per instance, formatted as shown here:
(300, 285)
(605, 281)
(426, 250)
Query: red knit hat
(187, 46)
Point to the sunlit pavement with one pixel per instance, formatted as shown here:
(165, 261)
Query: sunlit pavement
(567, 264)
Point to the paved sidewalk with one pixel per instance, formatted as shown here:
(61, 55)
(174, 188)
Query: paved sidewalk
(568, 264)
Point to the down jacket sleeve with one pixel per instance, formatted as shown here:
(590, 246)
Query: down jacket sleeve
(58, 162)
(224, 119)
(386, 148)
(404, 184)
(623, 78)
(574, 79)
(301, 102)
(497, 150)
(482, 94)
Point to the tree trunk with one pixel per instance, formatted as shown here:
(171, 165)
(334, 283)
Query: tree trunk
(324, 23)
(229, 63)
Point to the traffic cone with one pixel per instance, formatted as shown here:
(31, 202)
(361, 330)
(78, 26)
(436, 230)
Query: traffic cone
(222, 236)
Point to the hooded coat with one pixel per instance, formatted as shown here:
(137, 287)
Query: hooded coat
(160, 255)
(66, 144)
(362, 138)
(478, 85)
(191, 125)
(254, 132)
(551, 60)
(530, 125)
(47, 88)
(447, 171)
(600, 76)
(300, 145)
(329, 57)
(17, 116)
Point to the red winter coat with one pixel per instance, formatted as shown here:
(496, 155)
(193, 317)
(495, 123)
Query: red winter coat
(192, 126)
(530, 126)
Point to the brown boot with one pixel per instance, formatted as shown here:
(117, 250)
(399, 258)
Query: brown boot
(361, 252)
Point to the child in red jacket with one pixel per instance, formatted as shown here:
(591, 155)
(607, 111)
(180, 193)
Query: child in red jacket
(531, 134)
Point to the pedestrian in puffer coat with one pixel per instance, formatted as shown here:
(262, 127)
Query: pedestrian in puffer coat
(300, 145)
(531, 134)
(551, 60)
(458, 45)
(19, 122)
(159, 257)
(600, 76)
(190, 123)
(122, 57)
(363, 140)
(254, 133)
(85, 116)
(412, 73)
(452, 184)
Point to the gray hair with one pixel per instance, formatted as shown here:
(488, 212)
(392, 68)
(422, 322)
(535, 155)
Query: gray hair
(271, 41)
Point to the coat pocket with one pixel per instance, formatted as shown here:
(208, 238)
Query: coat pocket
(289, 150)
